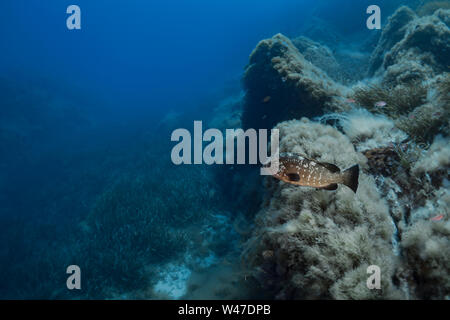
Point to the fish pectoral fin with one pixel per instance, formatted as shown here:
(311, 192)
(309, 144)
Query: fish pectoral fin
(332, 186)
(331, 167)
(293, 177)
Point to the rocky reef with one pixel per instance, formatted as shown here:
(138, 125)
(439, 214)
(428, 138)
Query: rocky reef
(322, 242)
(279, 75)
(322, 57)
(412, 47)
(312, 244)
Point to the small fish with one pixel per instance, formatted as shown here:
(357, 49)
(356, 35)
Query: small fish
(266, 99)
(437, 114)
(350, 100)
(298, 170)
(380, 104)
(267, 254)
(437, 218)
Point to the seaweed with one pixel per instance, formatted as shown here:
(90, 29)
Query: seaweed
(444, 91)
(409, 153)
(138, 222)
(400, 100)
(128, 230)
(424, 123)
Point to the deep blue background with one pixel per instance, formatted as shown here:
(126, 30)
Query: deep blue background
(155, 55)
(147, 54)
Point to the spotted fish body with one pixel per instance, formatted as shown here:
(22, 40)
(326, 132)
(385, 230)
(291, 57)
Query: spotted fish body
(298, 170)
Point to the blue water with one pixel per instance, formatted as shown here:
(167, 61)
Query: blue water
(148, 54)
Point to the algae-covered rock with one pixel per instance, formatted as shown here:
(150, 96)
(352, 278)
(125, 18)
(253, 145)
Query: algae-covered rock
(320, 56)
(429, 35)
(311, 243)
(322, 242)
(392, 33)
(426, 247)
(281, 84)
(412, 48)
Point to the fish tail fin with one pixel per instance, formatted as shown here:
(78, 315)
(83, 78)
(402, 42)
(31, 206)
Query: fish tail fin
(350, 177)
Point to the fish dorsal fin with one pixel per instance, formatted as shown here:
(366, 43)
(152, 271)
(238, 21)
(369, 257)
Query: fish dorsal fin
(333, 168)
(298, 156)
(332, 186)
(293, 154)
(293, 176)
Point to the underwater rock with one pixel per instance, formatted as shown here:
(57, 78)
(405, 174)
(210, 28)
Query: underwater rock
(435, 163)
(426, 247)
(367, 130)
(320, 56)
(322, 242)
(430, 118)
(382, 160)
(392, 33)
(412, 48)
(354, 62)
(419, 201)
(437, 157)
(392, 102)
(311, 243)
(419, 205)
(295, 86)
(443, 14)
(427, 42)
(424, 122)
(342, 65)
